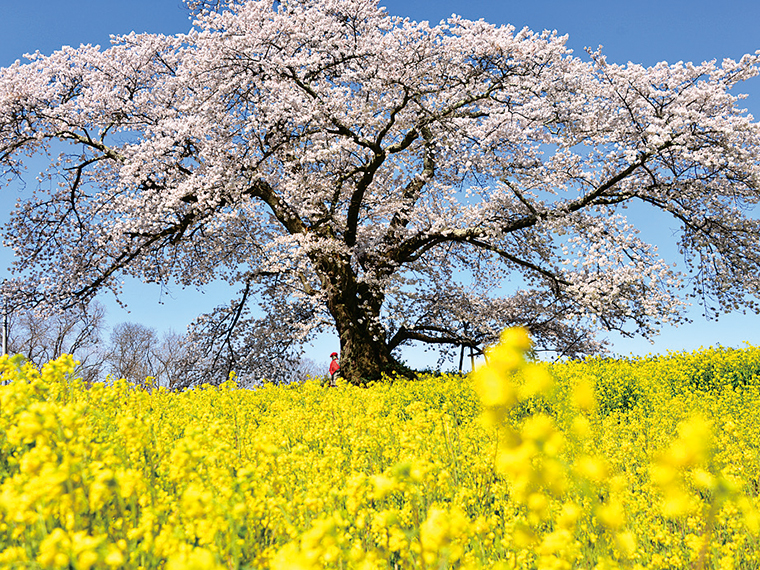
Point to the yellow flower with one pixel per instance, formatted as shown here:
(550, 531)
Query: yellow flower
(397, 540)
(581, 427)
(55, 549)
(517, 338)
(115, 557)
(540, 428)
(13, 557)
(611, 515)
(583, 394)
(196, 500)
(196, 559)
(663, 474)
(538, 504)
(676, 502)
(441, 529)
(494, 388)
(592, 468)
(626, 542)
(703, 479)
(568, 515)
(537, 380)
(693, 444)
(383, 485)
(29, 426)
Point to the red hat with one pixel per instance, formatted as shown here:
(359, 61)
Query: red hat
(333, 354)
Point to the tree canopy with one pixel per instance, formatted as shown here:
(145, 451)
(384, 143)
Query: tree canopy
(396, 180)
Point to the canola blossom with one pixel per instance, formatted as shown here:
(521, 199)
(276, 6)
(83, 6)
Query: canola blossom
(627, 463)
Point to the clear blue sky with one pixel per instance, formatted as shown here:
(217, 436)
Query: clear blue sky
(643, 32)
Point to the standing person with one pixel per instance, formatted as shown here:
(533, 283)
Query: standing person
(334, 369)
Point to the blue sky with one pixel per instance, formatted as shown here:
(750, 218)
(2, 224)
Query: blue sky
(643, 32)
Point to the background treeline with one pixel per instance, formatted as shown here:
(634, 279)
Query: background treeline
(135, 352)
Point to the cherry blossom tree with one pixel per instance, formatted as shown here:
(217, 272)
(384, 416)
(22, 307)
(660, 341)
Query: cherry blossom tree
(397, 180)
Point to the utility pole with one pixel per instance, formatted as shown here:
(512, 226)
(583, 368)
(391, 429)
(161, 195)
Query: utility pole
(5, 322)
(5, 326)
(461, 354)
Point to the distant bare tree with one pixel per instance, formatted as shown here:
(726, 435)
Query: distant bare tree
(42, 337)
(308, 368)
(173, 359)
(131, 352)
(136, 352)
(176, 361)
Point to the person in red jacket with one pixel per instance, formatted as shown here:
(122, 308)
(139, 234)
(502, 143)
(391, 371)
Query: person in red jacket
(334, 369)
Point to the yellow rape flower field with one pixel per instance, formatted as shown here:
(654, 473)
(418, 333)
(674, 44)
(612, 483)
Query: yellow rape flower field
(626, 463)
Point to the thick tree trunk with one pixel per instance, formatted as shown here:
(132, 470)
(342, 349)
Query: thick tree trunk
(364, 352)
(363, 359)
